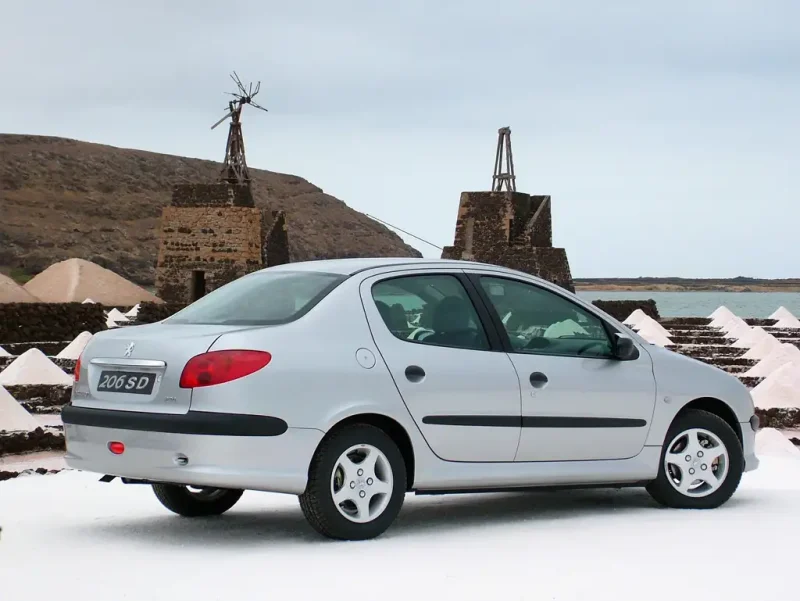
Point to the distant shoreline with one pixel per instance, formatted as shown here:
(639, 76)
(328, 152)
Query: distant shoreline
(685, 285)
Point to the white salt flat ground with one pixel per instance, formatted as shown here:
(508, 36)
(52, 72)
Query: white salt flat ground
(68, 536)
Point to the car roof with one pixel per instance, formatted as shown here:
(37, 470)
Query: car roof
(355, 265)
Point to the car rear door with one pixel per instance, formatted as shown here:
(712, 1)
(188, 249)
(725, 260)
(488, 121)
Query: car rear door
(578, 402)
(459, 386)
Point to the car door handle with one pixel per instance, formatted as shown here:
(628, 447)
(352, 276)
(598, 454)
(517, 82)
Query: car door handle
(414, 373)
(538, 379)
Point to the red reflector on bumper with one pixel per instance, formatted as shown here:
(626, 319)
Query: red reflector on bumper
(116, 447)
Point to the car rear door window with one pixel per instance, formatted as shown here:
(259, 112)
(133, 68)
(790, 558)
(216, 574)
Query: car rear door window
(430, 309)
(541, 322)
(262, 298)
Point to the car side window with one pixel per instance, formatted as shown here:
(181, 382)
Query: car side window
(538, 321)
(430, 309)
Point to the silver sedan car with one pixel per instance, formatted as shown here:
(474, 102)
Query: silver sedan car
(352, 382)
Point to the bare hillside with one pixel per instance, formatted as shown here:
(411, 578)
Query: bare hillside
(63, 198)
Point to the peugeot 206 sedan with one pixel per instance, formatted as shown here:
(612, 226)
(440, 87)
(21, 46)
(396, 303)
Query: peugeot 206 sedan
(351, 382)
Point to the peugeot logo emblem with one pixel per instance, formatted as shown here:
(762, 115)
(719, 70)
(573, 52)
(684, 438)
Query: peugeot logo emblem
(129, 349)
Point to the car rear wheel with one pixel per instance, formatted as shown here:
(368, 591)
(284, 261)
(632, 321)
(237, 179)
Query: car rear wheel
(191, 502)
(356, 484)
(701, 463)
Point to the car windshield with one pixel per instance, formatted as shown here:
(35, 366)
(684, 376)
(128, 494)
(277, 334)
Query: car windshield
(260, 299)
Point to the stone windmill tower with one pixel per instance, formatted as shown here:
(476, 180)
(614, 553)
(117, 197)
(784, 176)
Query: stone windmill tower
(212, 233)
(509, 228)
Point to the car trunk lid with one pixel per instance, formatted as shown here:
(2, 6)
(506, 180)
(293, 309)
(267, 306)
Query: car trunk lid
(139, 368)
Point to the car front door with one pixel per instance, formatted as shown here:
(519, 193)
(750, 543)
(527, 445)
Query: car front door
(447, 362)
(578, 401)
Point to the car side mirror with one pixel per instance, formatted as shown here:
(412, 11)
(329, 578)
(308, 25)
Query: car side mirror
(624, 348)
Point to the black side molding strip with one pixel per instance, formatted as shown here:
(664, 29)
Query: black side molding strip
(532, 421)
(193, 422)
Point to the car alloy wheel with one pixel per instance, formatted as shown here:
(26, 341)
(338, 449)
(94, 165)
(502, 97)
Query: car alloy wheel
(696, 462)
(362, 483)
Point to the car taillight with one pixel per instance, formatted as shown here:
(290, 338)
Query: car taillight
(77, 373)
(218, 367)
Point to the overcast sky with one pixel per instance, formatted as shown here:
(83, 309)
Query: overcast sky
(666, 132)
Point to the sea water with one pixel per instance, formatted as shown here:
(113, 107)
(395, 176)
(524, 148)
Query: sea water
(701, 304)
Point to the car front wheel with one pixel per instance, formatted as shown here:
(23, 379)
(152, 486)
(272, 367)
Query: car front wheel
(701, 463)
(193, 502)
(356, 484)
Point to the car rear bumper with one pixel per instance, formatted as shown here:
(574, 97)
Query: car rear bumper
(204, 449)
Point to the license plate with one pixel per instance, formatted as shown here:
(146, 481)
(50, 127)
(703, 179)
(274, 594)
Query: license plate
(126, 381)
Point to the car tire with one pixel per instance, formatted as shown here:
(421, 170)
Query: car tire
(354, 503)
(206, 502)
(684, 463)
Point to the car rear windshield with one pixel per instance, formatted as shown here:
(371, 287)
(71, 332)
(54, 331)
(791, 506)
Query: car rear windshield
(265, 298)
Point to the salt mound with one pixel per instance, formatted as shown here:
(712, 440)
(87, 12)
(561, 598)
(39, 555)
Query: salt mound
(653, 335)
(780, 356)
(74, 349)
(4, 352)
(723, 316)
(790, 321)
(779, 390)
(568, 327)
(763, 348)
(76, 279)
(88, 300)
(13, 416)
(33, 367)
(652, 325)
(721, 311)
(634, 318)
(770, 441)
(751, 338)
(11, 292)
(117, 315)
(735, 328)
(133, 312)
(780, 313)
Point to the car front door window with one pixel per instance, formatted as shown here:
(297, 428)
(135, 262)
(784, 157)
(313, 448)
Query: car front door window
(538, 321)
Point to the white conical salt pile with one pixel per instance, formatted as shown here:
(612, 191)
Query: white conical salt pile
(780, 313)
(634, 318)
(780, 389)
(88, 300)
(568, 327)
(770, 441)
(652, 325)
(13, 416)
(723, 314)
(788, 322)
(33, 367)
(74, 349)
(653, 335)
(115, 317)
(133, 312)
(763, 348)
(751, 338)
(4, 352)
(735, 328)
(721, 311)
(785, 353)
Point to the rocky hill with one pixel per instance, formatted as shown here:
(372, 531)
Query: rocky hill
(63, 198)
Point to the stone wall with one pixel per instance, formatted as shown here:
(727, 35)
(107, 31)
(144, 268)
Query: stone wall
(222, 243)
(153, 312)
(212, 195)
(510, 229)
(621, 309)
(47, 322)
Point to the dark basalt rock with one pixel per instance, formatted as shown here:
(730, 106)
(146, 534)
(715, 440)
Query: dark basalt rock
(779, 418)
(4, 475)
(41, 398)
(621, 309)
(14, 443)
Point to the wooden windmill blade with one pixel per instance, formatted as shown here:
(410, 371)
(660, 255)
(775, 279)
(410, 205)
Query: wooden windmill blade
(221, 120)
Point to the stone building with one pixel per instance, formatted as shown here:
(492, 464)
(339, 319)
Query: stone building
(212, 234)
(511, 229)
